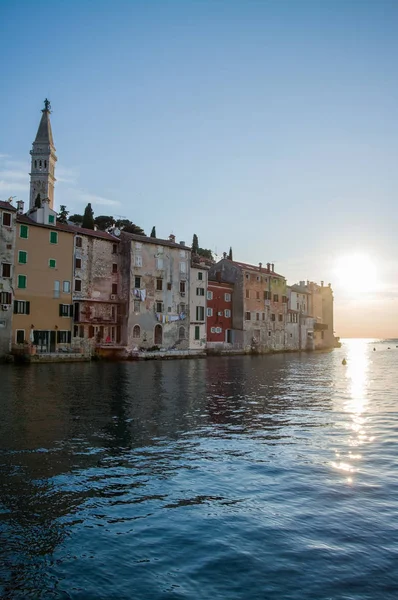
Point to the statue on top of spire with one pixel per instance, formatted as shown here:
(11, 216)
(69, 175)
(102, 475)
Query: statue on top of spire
(47, 106)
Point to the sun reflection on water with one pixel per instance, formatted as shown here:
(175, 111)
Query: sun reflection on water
(357, 376)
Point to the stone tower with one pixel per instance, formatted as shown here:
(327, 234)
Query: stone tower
(43, 161)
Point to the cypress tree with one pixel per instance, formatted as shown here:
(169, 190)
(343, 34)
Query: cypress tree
(230, 253)
(88, 217)
(195, 244)
(153, 232)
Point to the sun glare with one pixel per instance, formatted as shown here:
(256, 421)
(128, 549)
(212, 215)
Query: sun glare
(356, 273)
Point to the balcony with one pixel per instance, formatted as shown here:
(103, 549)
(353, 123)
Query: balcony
(320, 327)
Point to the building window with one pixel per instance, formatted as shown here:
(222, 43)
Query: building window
(280, 317)
(51, 219)
(181, 333)
(209, 295)
(209, 312)
(247, 316)
(6, 219)
(213, 329)
(159, 307)
(63, 337)
(263, 316)
(227, 297)
(66, 310)
(114, 268)
(78, 285)
(269, 334)
(137, 306)
(138, 260)
(114, 288)
(66, 287)
(227, 313)
(114, 248)
(57, 287)
(267, 295)
(183, 254)
(247, 293)
(21, 307)
(22, 257)
(22, 282)
(218, 329)
(182, 307)
(183, 267)
(6, 270)
(138, 245)
(276, 298)
(53, 237)
(20, 336)
(197, 332)
(200, 275)
(182, 288)
(159, 285)
(159, 264)
(247, 276)
(272, 317)
(5, 297)
(258, 295)
(284, 299)
(23, 231)
(52, 263)
(78, 263)
(200, 313)
(137, 282)
(78, 242)
(257, 316)
(136, 331)
(200, 291)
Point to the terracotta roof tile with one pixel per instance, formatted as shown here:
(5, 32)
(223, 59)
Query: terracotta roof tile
(7, 206)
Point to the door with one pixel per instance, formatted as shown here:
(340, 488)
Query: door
(158, 335)
(52, 340)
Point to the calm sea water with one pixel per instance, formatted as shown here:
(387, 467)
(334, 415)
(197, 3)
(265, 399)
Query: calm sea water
(246, 477)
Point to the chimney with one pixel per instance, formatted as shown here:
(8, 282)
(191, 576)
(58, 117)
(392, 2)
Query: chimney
(321, 283)
(308, 283)
(272, 265)
(182, 243)
(172, 238)
(260, 266)
(224, 255)
(20, 205)
(302, 283)
(268, 266)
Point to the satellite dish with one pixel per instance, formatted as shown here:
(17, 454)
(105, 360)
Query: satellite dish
(116, 232)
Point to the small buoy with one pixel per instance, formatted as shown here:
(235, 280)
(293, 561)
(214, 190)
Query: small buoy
(344, 362)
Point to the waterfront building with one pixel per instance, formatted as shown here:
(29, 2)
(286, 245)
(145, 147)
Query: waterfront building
(220, 333)
(259, 303)
(7, 250)
(97, 291)
(156, 282)
(197, 301)
(43, 274)
(300, 324)
(316, 309)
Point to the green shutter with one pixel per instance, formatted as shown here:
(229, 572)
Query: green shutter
(52, 263)
(23, 231)
(22, 282)
(51, 219)
(22, 257)
(53, 237)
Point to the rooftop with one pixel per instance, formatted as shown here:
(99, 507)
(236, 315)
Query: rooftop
(7, 205)
(255, 268)
(151, 240)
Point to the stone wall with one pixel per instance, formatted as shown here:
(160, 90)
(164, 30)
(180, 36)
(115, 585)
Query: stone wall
(7, 249)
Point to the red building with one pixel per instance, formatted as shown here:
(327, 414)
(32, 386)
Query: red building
(219, 311)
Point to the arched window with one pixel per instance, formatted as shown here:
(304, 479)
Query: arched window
(40, 164)
(35, 164)
(158, 335)
(181, 333)
(136, 331)
(45, 164)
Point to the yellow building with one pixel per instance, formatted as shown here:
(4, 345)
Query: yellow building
(43, 275)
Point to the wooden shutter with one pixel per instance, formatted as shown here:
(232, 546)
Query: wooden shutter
(71, 310)
(69, 337)
(60, 310)
(27, 307)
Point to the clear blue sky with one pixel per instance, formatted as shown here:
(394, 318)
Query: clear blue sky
(271, 126)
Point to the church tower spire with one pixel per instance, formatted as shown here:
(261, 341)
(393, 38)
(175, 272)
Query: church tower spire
(43, 162)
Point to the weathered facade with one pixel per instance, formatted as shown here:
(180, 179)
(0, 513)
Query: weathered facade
(197, 301)
(259, 304)
(7, 250)
(97, 293)
(300, 324)
(219, 314)
(156, 283)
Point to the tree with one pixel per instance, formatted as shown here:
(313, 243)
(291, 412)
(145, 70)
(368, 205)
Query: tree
(103, 222)
(153, 232)
(38, 201)
(205, 253)
(88, 217)
(195, 244)
(76, 219)
(62, 216)
(230, 253)
(129, 227)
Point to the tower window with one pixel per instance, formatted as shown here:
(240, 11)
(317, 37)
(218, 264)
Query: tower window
(35, 164)
(40, 164)
(45, 164)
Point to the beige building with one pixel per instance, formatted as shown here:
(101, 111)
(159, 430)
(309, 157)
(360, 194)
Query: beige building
(43, 274)
(198, 305)
(7, 250)
(155, 275)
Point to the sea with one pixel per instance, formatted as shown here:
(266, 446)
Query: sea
(245, 477)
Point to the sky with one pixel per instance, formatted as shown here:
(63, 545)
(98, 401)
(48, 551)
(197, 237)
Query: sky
(268, 126)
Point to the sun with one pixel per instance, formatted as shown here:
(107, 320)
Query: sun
(356, 273)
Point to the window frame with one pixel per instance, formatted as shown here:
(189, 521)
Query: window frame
(54, 236)
(2, 219)
(77, 281)
(21, 262)
(9, 265)
(52, 260)
(22, 287)
(23, 228)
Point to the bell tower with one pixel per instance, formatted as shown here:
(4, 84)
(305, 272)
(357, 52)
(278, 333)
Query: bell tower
(43, 162)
